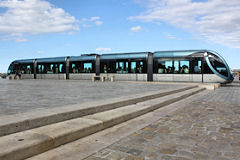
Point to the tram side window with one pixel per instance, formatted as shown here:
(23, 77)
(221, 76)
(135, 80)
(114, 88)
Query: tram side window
(184, 67)
(169, 66)
(29, 69)
(26, 68)
(81, 67)
(61, 68)
(160, 67)
(108, 67)
(176, 67)
(138, 67)
(87, 67)
(40, 68)
(52, 68)
(197, 67)
(133, 67)
(142, 68)
(75, 67)
(163, 66)
(122, 67)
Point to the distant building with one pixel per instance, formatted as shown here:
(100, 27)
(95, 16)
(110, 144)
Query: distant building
(236, 73)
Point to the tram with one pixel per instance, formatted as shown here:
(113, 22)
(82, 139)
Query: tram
(175, 66)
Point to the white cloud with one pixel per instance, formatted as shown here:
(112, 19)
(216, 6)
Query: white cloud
(136, 28)
(99, 23)
(103, 49)
(21, 40)
(214, 20)
(87, 22)
(24, 17)
(17, 37)
(170, 36)
(94, 18)
(40, 52)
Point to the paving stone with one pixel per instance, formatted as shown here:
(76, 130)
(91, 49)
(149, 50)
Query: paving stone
(185, 154)
(130, 157)
(23, 96)
(134, 152)
(168, 150)
(225, 130)
(206, 128)
(200, 156)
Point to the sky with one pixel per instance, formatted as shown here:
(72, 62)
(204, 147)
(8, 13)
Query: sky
(52, 28)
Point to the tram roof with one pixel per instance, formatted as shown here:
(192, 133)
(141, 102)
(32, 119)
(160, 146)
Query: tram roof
(83, 58)
(133, 55)
(51, 60)
(175, 53)
(24, 61)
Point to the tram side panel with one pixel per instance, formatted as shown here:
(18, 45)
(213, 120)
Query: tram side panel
(27, 76)
(81, 76)
(126, 77)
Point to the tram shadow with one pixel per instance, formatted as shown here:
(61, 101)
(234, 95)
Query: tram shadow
(233, 84)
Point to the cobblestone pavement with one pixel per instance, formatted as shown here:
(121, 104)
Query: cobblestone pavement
(21, 96)
(206, 129)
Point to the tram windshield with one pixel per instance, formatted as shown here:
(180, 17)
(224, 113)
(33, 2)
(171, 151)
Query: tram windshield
(218, 64)
(12, 69)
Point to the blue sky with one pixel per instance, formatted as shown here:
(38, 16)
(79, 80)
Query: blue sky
(40, 28)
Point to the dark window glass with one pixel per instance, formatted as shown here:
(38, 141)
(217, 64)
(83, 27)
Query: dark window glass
(61, 68)
(51, 68)
(75, 67)
(12, 69)
(87, 68)
(40, 69)
(197, 67)
(160, 67)
(176, 67)
(163, 66)
(122, 67)
(138, 66)
(168, 66)
(108, 67)
(133, 67)
(82, 67)
(184, 67)
(206, 69)
(218, 65)
(26, 68)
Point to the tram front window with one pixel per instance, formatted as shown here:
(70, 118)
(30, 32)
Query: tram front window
(218, 65)
(11, 69)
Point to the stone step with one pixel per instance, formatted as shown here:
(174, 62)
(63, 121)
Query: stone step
(116, 116)
(89, 145)
(25, 144)
(12, 124)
